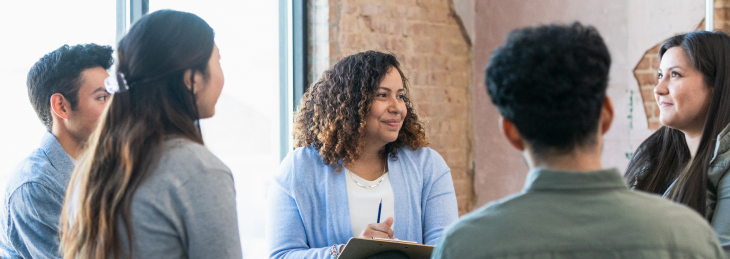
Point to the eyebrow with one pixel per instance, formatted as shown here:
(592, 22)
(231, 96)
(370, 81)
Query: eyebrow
(670, 68)
(388, 89)
(100, 89)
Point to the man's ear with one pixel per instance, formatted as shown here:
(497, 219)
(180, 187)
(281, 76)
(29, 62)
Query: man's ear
(511, 133)
(60, 106)
(606, 116)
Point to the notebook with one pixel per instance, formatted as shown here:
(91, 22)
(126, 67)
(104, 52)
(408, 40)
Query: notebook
(358, 248)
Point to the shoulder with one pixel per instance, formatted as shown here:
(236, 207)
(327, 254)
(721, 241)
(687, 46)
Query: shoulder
(35, 171)
(421, 157)
(424, 162)
(301, 165)
(720, 163)
(656, 214)
(493, 217)
(185, 160)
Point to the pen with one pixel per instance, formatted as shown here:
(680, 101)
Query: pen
(379, 207)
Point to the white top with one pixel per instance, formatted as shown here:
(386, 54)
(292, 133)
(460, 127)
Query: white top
(364, 202)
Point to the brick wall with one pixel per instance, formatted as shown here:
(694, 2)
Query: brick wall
(645, 71)
(435, 55)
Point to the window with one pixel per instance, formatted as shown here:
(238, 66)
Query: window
(250, 130)
(244, 133)
(31, 29)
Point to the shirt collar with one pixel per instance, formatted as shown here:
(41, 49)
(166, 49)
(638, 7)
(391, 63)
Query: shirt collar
(56, 154)
(541, 179)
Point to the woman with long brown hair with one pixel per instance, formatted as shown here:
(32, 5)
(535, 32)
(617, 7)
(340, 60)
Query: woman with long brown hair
(687, 160)
(361, 168)
(147, 187)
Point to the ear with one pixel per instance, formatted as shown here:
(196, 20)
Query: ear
(606, 116)
(198, 81)
(60, 106)
(511, 134)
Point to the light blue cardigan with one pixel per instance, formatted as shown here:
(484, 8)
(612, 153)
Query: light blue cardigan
(309, 211)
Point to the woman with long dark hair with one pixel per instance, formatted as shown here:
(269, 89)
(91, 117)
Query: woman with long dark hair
(361, 168)
(687, 159)
(147, 187)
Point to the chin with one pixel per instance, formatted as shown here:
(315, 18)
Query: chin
(204, 114)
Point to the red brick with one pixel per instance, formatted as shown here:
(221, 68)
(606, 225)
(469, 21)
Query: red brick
(647, 94)
(370, 9)
(654, 125)
(415, 29)
(654, 50)
(647, 79)
(349, 23)
(654, 62)
(644, 64)
(439, 79)
(657, 111)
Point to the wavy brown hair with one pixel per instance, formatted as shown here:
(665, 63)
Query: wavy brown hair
(332, 114)
(126, 146)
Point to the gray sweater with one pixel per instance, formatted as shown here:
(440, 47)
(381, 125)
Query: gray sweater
(186, 208)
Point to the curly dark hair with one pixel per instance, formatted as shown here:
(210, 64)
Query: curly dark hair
(332, 114)
(550, 82)
(60, 72)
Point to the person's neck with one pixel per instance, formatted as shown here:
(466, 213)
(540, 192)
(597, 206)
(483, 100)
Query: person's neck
(576, 161)
(693, 141)
(72, 146)
(369, 165)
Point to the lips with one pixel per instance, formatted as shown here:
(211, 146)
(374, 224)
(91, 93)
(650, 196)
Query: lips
(392, 123)
(665, 104)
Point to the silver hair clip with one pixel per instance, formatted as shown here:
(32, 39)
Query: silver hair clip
(116, 83)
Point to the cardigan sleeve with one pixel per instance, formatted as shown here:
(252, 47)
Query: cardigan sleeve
(440, 207)
(286, 235)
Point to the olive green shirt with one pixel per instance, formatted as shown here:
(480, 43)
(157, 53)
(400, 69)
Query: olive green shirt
(579, 215)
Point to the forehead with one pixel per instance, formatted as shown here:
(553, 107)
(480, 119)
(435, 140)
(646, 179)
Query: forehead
(675, 56)
(92, 78)
(392, 80)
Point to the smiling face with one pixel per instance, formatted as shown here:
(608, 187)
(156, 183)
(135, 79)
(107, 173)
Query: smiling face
(387, 111)
(681, 93)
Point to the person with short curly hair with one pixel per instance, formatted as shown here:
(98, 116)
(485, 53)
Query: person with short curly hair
(549, 84)
(360, 147)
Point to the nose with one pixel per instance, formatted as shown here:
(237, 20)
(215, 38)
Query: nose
(394, 105)
(661, 87)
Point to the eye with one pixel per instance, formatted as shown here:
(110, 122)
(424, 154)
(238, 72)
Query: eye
(401, 96)
(103, 98)
(675, 74)
(660, 75)
(381, 95)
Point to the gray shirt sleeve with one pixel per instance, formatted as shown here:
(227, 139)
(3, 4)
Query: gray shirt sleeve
(207, 203)
(33, 212)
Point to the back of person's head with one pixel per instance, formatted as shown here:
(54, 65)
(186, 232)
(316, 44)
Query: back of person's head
(662, 158)
(152, 62)
(550, 82)
(60, 72)
(333, 111)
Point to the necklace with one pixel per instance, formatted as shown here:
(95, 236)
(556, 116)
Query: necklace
(370, 186)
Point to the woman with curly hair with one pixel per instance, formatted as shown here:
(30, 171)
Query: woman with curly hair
(361, 167)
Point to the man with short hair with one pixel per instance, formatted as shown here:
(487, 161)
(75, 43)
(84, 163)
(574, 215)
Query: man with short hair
(549, 85)
(66, 89)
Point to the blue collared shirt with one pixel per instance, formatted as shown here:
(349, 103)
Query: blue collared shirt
(32, 203)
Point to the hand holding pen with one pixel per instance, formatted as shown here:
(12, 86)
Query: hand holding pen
(379, 230)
